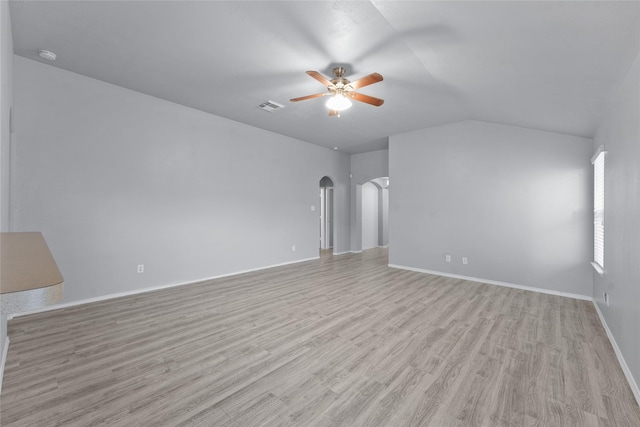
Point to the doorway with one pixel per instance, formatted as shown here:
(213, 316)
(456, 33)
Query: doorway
(374, 213)
(326, 214)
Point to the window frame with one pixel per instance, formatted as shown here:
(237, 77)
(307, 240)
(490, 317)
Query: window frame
(598, 161)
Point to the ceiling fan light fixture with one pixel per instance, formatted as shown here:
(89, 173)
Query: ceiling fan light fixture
(338, 102)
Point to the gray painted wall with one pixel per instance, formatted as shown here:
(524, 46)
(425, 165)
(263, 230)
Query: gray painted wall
(370, 210)
(6, 92)
(383, 217)
(364, 167)
(516, 202)
(114, 178)
(6, 100)
(620, 133)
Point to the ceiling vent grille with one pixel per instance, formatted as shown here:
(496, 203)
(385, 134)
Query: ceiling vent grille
(270, 106)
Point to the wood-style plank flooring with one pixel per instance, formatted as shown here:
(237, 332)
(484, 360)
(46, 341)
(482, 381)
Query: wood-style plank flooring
(344, 340)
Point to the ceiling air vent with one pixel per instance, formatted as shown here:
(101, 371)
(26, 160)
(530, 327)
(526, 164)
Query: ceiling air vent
(270, 106)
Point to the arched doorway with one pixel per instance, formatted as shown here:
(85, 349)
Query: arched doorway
(374, 213)
(326, 215)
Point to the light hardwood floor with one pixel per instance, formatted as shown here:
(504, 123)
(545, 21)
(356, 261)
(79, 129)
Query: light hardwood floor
(340, 341)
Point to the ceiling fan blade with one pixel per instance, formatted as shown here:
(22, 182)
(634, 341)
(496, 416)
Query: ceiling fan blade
(366, 81)
(319, 77)
(334, 113)
(302, 98)
(366, 99)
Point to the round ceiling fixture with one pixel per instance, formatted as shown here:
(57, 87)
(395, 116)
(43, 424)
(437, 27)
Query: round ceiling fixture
(47, 54)
(338, 102)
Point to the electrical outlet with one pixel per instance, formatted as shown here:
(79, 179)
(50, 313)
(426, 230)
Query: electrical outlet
(293, 248)
(313, 208)
(465, 260)
(140, 268)
(447, 258)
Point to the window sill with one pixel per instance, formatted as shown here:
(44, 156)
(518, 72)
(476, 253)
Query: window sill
(598, 268)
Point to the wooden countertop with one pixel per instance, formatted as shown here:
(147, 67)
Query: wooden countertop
(26, 263)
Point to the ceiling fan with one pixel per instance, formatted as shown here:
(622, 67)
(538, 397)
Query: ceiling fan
(342, 90)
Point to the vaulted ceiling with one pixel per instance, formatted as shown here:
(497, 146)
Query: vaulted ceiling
(542, 65)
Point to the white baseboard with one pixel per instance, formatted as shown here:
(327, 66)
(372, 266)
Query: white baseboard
(150, 289)
(623, 363)
(621, 360)
(341, 253)
(5, 351)
(495, 282)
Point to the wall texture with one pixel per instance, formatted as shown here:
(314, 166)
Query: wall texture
(619, 132)
(6, 100)
(114, 178)
(516, 202)
(370, 217)
(383, 216)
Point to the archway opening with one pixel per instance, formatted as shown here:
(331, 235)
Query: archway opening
(374, 207)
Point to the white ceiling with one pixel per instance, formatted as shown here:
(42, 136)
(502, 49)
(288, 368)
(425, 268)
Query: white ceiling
(543, 65)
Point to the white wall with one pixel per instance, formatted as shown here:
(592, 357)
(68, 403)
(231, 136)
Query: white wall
(6, 100)
(114, 178)
(370, 210)
(620, 133)
(364, 168)
(516, 202)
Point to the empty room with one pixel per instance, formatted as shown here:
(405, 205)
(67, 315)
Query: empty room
(319, 213)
